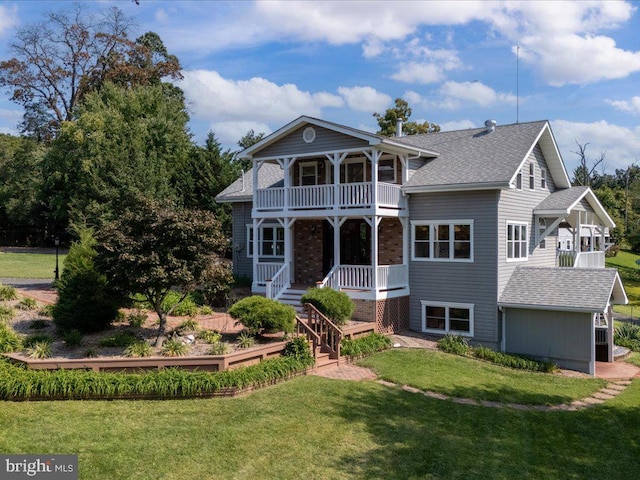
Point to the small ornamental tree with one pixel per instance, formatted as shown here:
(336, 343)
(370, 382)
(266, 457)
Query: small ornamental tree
(259, 314)
(154, 248)
(85, 302)
(335, 305)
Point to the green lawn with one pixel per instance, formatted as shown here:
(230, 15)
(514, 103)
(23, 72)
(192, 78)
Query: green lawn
(315, 428)
(625, 262)
(468, 378)
(29, 265)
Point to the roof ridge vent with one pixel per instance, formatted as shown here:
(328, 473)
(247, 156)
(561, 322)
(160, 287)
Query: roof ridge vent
(490, 125)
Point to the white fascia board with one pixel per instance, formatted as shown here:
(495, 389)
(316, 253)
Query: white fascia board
(550, 308)
(239, 199)
(551, 213)
(597, 207)
(405, 148)
(618, 287)
(461, 187)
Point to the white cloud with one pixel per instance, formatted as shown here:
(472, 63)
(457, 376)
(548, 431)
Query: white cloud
(414, 72)
(8, 18)
(228, 133)
(212, 97)
(364, 99)
(620, 144)
(161, 15)
(631, 106)
(458, 94)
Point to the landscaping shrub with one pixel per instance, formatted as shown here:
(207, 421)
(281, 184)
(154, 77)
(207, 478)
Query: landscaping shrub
(72, 338)
(188, 307)
(46, 311)
(27, 303)
(627, 335)
(217, 284)
(260, 314)
(7, 292)
(138, 349)
(40, 350)
(358, 347)
(34, 338)
(246, 340)
(84, 300)
(335, 305)
(189, 325)
(219, 348)
(209, 336)
(454, 344)
(458, 345)
(120, 339)
(6, 313)
(205, 310)
(137, 319)
(174, 348)
(299, 348)
(19, 383)
(9, 340)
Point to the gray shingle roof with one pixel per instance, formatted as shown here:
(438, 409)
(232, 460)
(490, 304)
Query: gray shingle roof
(473, 156)
(573, 289)
(270, 175)
(562, 199)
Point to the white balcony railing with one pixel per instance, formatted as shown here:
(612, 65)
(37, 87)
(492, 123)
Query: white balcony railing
(360, 277)
(359, 195)
(392, 276)
(580, 259)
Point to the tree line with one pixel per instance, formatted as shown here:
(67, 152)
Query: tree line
(103, 126)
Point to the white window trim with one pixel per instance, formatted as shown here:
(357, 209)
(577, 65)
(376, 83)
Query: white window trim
(260, 239)
(543, 179)
(447, 306)
(361, 160)
(506, 241)
(308, 164)
(394, 166)
(532, 176)
(432, 224)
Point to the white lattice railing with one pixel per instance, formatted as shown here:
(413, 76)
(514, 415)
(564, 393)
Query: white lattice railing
(278, 283)
(316, 196)
(392, 276)
(356, 277)
(267, 270)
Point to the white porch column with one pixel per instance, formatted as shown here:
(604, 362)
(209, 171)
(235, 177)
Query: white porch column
(610, 333)
(592, 362)
(256, 246)
(286, 163)
(577, 244)
(287, 224)
(336, 159)
(374, 157)
(404, 221)
(374, 222)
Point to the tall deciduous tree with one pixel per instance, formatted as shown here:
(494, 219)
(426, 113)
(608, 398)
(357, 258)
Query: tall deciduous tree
(154, 248)
(123, 142)
(401, 111)
(57, 61)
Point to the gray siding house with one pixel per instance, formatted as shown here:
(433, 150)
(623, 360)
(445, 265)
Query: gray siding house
(450, 232)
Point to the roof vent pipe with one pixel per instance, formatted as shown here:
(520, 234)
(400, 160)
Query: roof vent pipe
(490, 125)
(399, 128)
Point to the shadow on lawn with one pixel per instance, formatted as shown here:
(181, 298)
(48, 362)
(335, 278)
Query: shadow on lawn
(418, 437)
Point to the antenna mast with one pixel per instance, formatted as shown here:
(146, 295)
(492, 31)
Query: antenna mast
(517, 83)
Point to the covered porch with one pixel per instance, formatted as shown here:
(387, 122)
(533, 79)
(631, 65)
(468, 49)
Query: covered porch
(581, 224)
(365, 256)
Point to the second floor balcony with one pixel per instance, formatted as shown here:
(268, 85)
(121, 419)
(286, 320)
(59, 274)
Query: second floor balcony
(331, 196)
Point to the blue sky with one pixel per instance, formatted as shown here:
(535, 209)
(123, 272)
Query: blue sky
(262, 64)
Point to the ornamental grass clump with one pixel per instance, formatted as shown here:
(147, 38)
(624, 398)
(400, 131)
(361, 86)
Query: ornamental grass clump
(263, 315)
(335, 305)
(138, 350)
(39, 350)
(9, 340)
(6, 314)
(174, 348)
(27, 303)
(627, 335)
(8, 293)
(209, 336)
(246, 340)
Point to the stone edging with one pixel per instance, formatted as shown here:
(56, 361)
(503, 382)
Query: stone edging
(606, 393)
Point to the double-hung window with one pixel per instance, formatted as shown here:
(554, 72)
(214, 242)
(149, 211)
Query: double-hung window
(532, 176)
(438, 317)
(543, 179)
(270, 241)
(450, 240)
(308, 173)
(387, 170)
(517, 241)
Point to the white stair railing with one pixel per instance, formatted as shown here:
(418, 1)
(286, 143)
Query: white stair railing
(278, 283)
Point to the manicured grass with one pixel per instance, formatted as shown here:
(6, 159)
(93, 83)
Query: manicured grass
(468, 378)
(317, 428)
(634, 359)
(625, 262)
(29, 265)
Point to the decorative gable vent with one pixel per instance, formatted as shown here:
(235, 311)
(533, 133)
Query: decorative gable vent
(309, 135)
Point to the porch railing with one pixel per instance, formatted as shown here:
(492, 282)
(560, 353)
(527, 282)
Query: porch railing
(567, 258)
(302, 328)
(278, 283)
(328, 332)
(355, 277)
(266, 271)
(358, 195)
(392, 276)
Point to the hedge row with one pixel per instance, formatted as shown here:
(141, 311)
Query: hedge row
(21, 383)
(458, 345)
(366, 345)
